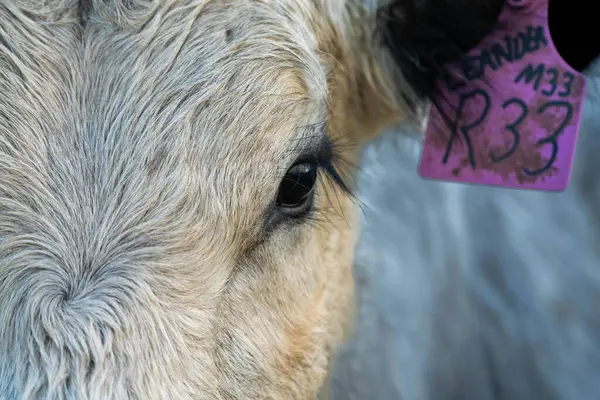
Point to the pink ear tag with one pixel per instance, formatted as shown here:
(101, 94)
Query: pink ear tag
(513, 120)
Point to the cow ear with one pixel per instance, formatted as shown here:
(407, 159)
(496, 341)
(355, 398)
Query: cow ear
(576, 38)
(421, 36)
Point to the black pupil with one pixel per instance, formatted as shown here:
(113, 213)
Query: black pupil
(297, 185)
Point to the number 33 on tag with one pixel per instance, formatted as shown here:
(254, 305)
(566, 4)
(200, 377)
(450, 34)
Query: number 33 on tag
(513, 119)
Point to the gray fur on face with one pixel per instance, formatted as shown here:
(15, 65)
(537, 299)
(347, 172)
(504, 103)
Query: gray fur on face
(139, 153)
(477, 293)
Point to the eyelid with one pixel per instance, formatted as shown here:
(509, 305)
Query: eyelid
(320, 153)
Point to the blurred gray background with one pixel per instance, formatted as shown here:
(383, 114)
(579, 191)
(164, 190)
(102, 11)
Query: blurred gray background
(471, 292)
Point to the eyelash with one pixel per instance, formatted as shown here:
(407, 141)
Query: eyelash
(330, 170)
(329, 166)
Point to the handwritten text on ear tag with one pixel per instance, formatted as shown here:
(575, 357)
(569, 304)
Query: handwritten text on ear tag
(514, 121)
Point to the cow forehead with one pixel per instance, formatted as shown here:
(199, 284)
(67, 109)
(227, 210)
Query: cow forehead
(231, 90)
(204, 92)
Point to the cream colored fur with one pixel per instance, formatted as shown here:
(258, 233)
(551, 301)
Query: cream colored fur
(140, 144)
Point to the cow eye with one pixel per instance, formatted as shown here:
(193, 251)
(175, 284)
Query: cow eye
(296, 191)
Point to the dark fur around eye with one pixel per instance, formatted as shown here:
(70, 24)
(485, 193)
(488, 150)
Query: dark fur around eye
(329, 159)
(297, 185)
(423, 36)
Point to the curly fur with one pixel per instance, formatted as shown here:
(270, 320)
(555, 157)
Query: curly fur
(141, 146)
